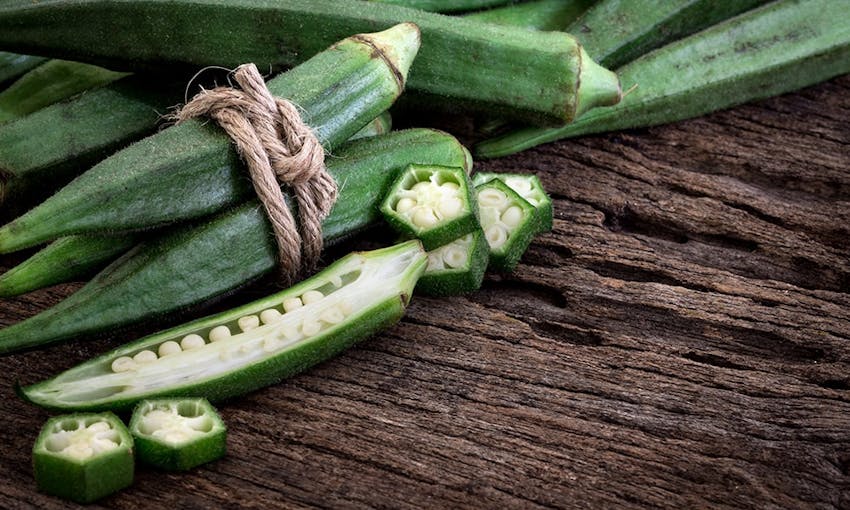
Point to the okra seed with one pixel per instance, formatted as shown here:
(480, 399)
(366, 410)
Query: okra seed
(271, 344)
(490, 197)
(424, 217)
(450, 207)
(248, 322)
(270, 316)
(168, 348)
(512, 216)
(435, 262)
(79, 451)
(345, 306)
(123, 364)
(219, 333)
(312, 296)
(57, 442)
(290, 304)
(405, 204)
(288, 333)
(454, 256)
(522, 185)
(332, 315)
(192, 341)
(496, 236)
(98, 426)
(145, 356)
(449, 186)
(421, 187)
(310, 328)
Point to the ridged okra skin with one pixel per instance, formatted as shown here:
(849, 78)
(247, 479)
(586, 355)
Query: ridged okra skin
(529, 187)
(457, 267)
(617, 32)
(192, 169)
(50, 83)
(64, 260)
(13, 65)
(83, 457)
(46, 149)
(509, 223)
(252, 346)
(431, 203)
(382, 124)
(177, 434)
(777, 48)
(463, 64)
(537, 14)
(193, 264)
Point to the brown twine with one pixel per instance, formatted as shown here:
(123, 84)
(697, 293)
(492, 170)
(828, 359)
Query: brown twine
(278, 147)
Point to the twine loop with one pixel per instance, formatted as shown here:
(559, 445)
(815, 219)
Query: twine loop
(278, 148)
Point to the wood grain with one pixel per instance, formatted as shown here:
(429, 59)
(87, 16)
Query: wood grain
(680, 340)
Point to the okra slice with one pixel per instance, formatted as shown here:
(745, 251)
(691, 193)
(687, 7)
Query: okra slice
(252, 346)
(432, 203)
(83, 457)
(509, 223)
(456, 268)
(177, 434)
(529, 187)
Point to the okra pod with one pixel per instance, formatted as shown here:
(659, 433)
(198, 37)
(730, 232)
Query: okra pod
(192, 169)
(457, 267)
(193, 264)
(50, 83)
(778, 48)
(252, 346)
(537, 14)
(13, 65)
(177, 434)
(83, 457)
(380, 125)
(63, 260)
(540, 77)
(509, 223)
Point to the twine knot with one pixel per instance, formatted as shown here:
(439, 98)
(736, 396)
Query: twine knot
(279, 148)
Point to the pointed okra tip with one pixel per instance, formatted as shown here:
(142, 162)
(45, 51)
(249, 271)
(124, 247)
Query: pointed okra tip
(398, 46)
(597, 86)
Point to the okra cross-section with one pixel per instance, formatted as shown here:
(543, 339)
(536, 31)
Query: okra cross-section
(456, 268)
(251, 346)
(529, 187)
(83, 457)
(432, 203)
(177, 434)
(509, 223)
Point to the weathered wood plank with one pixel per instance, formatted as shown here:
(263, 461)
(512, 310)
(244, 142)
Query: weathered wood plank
(681, 339)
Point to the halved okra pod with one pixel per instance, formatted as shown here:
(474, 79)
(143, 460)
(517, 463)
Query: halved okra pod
(432, 203)
(509, 223)
(529, 187)
(457, 267)
(251, 346)
(177, 434)
(83, 457)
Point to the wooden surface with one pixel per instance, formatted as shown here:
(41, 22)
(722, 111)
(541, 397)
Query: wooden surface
(680, 340)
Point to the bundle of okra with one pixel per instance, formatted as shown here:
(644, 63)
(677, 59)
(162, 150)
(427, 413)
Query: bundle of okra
(167, 219)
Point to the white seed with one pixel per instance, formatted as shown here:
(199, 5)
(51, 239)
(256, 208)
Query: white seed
(192, 341)
(404, 205)
(345, 306)
(312, 296)
(288, 333)
(79, 451)
(496, 236)
(271, 344)
(292, 303)
(454, 256)
(435, 262)
(491, 197)
(248, 322)
(219, 333)
(335, 280)
(270, 316)
(519, 184)
(58, 442)
(310, 328)
(123, 364)
(168, 348)
(424, 217)
(512, 216)
(450, 207)
(226, 355)
(422, 187)
(98, 426)
(145, 356)
(245, 349)
(449, 186)
(332, 315)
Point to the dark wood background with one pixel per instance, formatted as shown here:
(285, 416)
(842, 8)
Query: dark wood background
(680, 340)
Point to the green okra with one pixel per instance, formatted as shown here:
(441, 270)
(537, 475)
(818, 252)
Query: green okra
(382, 124)
(252, 346)
(13, 65)
(177, 434)
(444, 5)
(192, 169)
(537, 14)
(509, 223)
(83, 457)
(529, 187)
(463, 64)
(193, 264)
(49, 83)
(432, 203)
(64, 260)
(46, 149)
(457, 267)
(778, 48)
